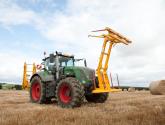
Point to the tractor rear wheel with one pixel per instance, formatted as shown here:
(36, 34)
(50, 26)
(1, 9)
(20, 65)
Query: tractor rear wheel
(97, 97)
(37, 91)
(69, 93)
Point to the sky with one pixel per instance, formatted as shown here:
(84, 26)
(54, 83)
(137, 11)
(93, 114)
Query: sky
(30, 27)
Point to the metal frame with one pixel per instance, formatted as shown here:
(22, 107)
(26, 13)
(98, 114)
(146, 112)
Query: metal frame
(110, 40)
(26, 81)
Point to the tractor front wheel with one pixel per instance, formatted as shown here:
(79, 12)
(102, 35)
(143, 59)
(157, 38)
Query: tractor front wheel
(97, 97)
(37, 91)
(70, 93)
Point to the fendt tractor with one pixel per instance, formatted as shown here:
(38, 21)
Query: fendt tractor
(69, 84)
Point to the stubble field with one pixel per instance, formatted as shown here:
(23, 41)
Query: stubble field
(123, 108)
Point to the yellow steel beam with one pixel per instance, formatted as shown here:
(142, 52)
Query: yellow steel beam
(98, 90)
(26, 82)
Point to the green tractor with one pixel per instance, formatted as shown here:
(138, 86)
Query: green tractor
(63, 80)
(69, 84)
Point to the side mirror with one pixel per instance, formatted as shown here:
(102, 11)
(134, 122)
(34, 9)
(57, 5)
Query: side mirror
(52, 58)
(85, 62)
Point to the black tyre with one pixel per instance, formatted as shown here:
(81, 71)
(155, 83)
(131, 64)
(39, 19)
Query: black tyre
(37, 91)
(97, 97)
(69, 93)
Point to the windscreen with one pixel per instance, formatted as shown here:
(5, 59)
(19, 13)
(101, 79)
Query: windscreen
(66, 61)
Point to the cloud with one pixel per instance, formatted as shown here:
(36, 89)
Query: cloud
(12, 66)
(11, 14)
(142, 21)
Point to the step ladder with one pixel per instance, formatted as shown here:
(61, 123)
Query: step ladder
(27, 75)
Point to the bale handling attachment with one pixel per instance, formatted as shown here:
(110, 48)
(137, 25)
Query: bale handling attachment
(27, 73)
(110, 40)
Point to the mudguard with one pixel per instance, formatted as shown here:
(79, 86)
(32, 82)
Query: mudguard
(48, 80)
(44, 75)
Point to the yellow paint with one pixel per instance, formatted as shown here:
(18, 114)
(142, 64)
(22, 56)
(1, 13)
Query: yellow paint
(26, 82)
(97, 90)
(110, 39)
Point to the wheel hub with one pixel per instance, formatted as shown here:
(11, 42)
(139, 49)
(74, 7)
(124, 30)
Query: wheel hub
(36, 89)
(65, 93)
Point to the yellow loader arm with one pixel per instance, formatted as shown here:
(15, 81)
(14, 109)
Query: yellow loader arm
(110, 39)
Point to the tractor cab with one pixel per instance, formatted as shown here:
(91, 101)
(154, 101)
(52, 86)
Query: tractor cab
(59, 60)
(60, 65)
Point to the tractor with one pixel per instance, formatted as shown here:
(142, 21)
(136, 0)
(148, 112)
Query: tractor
(69, 84)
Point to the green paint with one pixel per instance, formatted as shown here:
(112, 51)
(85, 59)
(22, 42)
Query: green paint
(83, 74)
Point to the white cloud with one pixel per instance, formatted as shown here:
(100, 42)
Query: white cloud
(11, 14)
(142, 21)
(12, 66)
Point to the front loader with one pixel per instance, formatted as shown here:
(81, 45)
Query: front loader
(110, 39)
(69, 84)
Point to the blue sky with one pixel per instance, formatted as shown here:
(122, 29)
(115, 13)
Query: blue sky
(42, 5)
(30, 27)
